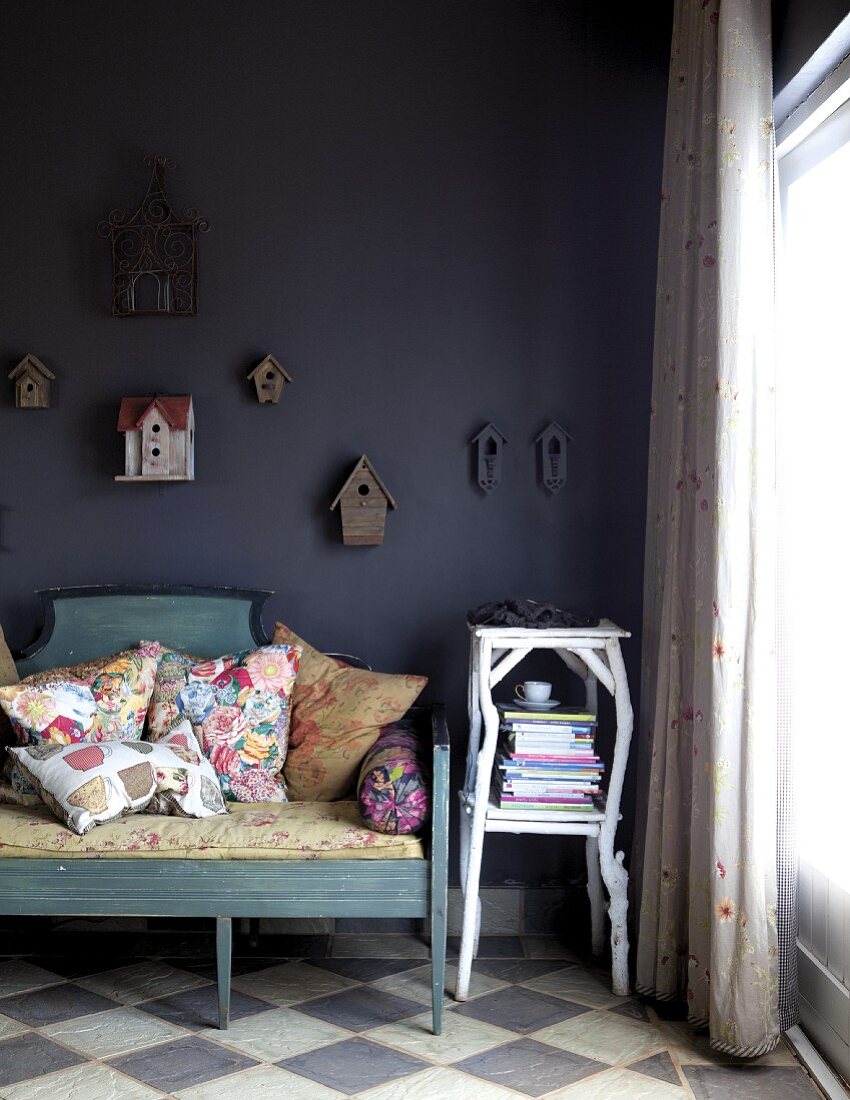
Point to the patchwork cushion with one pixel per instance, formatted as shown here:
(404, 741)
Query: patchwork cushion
(239, 710)
(104, 700)
(86, 784)
(337, 715)
(393, 788)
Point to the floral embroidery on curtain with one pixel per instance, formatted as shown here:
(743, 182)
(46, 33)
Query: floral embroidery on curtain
(707, 926)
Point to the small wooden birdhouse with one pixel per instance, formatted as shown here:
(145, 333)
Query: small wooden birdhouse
(552, 456)
(363, 501)
(488, 465)
(269, 377)
(159, 435)
(32, 383)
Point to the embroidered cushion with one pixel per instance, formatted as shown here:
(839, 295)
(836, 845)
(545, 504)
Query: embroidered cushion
(104, 700)
(393, 788)
(337, 715)
(86, 784)
(239, 710)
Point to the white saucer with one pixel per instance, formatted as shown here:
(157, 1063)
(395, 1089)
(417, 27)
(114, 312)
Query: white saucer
(548, 705)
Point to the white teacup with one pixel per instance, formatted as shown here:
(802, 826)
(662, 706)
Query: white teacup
(534, 691)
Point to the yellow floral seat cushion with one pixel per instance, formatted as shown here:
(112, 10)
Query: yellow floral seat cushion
(267, 830)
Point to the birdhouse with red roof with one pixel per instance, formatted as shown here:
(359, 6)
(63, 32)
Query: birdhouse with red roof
(159, 435)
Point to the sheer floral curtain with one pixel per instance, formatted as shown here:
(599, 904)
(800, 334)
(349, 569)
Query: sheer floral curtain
(707, 915)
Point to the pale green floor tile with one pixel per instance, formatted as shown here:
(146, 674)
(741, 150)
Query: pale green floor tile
(416, 984)
(603, 1036)
(17, 976)
(461, 1037)
(291, 982)
(105, 1034)
(85, 1082)
(620, 1084)
(577, 984)
(9, 1027)
(440, 1083)
(262, 1083)
(277, 1034)
(141, 982)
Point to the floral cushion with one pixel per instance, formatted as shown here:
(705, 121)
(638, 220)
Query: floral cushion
(239, 709)
(337, 715)
(86, 784)
(104, 700)
(393, 788)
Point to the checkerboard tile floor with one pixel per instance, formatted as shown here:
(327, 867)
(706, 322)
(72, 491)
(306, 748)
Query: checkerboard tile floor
(351, 1018)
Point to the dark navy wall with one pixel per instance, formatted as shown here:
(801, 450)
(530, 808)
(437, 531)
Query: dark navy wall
(434, 214)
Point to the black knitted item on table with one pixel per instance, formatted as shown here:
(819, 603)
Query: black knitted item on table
(527, 613)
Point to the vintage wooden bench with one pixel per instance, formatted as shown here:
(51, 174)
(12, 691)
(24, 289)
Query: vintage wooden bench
(84, 623)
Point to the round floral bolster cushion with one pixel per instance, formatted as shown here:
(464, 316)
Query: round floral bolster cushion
(393, 791)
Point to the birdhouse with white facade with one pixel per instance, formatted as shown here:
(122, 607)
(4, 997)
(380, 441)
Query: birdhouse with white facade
(159, 434)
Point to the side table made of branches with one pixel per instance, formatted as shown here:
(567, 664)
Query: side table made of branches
(593, 653)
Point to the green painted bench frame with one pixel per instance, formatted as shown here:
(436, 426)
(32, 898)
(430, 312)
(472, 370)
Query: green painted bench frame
(84, 623)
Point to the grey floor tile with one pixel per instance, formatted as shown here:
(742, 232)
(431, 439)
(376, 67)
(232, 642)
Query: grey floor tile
(354, 1065)
(360, 1008)
(197, 1009)
(181, 1063)
(366, 970)
(519, 1009)
(518, 970)
(207, 968)
(491, 947)
(634, 1010)
(658, 1066)
(31, 1055)
(79, 966)
(409, 925)
(352, 945)
(751, 1083)
(529, 1067)
(54, 1004)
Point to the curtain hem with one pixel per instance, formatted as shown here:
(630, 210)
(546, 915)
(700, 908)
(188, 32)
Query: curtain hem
(764, 1047)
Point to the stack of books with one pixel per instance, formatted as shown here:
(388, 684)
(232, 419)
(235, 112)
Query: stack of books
(546, 761)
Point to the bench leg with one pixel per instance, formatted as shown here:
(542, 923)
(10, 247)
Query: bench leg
(223, 944)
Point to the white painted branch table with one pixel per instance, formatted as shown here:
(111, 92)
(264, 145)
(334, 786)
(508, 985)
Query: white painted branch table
(593, 653)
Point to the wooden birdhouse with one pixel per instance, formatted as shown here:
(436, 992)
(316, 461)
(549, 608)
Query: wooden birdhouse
(363, 501)
(32, 383)
(488, 461)
(269, 377)
(552, 456)
(159, 435)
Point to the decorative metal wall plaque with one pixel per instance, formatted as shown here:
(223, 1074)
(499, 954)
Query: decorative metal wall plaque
(154, 253)
(489, 444)
(552, 456)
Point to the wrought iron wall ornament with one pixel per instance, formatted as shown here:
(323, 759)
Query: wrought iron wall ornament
(552, 455)
(154, 253)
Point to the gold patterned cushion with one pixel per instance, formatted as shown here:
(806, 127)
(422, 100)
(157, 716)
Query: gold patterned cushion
(8, 675)
(266, 830)
(337, 714)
